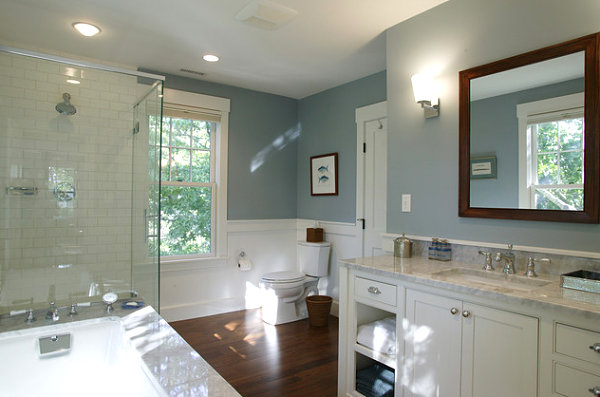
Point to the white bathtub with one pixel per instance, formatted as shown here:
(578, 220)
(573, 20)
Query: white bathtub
(101, 362)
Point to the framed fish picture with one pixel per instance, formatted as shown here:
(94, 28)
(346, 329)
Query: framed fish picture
(324, 175)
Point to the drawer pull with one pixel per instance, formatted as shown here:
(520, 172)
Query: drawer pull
(595, 390)
(466, 314)
(595, 347)
(454, 310)
(374, 290)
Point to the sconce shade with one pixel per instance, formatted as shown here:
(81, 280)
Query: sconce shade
(423, 88)
(425, 93)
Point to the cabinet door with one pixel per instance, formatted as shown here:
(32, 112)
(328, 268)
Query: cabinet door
(433, 336)
(500, 352)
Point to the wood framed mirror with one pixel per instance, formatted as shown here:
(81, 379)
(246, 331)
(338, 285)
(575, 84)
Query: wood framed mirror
(529, 135)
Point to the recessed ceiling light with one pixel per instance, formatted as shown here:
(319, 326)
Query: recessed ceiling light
(210, 58)
(86, 29)
(73, 81)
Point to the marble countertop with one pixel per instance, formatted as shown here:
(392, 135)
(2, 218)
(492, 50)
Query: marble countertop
(425, 271)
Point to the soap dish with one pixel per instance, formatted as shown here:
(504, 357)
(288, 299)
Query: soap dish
(581, 280)
(132, 304)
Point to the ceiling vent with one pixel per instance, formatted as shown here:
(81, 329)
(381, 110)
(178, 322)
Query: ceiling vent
(192, 72)
(265, 14)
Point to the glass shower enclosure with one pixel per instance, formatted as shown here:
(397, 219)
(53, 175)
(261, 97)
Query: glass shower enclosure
(79, 180)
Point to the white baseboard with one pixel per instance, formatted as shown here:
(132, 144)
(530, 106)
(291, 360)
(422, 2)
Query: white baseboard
(202, 309)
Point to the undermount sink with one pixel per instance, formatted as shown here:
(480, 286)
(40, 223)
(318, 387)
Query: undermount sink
(491, 279)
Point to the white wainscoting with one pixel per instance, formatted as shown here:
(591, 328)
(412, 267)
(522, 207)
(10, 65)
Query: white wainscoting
(212, 286)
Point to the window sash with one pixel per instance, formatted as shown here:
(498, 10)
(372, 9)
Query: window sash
(212, 185)
(535, 152)
(212, 150)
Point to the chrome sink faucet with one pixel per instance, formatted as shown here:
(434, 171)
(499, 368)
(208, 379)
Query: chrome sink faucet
(52, 313)
(509, 260)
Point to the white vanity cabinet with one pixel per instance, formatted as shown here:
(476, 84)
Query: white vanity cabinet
(446, 346)
(576, 360)
(460, 349)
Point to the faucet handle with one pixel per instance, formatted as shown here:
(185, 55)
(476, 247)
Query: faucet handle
(488, 260)
(530, 272)
(545, 260)
(50, 312)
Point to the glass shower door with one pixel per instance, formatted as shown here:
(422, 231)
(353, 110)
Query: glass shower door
(145, 269)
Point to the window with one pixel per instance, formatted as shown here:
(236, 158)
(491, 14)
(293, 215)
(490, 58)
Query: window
(187, 184)
(554, 142)
(193, 176)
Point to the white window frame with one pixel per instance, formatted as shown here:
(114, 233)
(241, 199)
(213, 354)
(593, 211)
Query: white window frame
(535, 112)
(219, 107)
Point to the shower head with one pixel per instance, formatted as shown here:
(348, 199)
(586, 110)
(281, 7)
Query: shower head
(65, 107)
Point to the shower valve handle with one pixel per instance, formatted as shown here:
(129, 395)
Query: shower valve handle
(108, 299)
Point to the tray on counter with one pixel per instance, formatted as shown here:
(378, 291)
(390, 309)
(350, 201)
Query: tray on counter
(582, 280)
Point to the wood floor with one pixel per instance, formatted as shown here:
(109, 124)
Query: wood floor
(258, 359)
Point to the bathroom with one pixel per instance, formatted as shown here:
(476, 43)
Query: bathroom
(269, 206)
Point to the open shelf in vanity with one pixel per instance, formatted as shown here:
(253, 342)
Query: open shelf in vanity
(372, 335)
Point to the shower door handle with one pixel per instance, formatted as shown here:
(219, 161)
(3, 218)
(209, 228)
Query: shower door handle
(145, 225)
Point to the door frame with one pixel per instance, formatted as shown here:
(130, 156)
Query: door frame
(363, 115)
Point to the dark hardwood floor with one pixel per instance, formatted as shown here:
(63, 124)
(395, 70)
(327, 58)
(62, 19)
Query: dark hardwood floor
(259, 359)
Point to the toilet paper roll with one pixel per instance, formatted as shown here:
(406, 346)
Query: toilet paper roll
(245, 265)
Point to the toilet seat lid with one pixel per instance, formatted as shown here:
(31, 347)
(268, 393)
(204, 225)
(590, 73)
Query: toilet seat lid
(283, 277)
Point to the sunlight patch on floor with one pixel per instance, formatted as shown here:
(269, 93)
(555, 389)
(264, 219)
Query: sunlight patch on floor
(241, 355)
(231, 326)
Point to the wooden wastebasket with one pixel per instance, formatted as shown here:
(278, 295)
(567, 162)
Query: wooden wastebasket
(318, 307)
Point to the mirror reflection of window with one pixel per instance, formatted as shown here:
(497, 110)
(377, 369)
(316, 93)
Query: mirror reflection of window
(553, 160)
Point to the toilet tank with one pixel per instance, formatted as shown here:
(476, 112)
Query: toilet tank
(314, 258)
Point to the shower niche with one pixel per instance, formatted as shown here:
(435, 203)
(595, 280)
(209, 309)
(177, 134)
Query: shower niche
(80, 189)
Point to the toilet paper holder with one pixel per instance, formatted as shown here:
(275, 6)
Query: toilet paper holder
(244, 264)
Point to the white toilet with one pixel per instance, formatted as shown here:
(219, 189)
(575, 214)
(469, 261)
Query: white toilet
(284, 292)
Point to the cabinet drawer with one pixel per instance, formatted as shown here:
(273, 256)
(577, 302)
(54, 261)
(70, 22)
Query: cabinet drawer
(577, 343)
(376, 290)
(572, 382)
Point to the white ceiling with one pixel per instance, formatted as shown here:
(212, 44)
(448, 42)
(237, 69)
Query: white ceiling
(330, 42)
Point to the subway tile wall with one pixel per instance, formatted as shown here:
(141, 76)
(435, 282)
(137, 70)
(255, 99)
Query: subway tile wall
(56, 243)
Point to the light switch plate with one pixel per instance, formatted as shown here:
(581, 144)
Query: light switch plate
(406, 203)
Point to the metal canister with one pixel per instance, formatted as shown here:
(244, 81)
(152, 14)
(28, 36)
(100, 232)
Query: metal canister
(402, 247)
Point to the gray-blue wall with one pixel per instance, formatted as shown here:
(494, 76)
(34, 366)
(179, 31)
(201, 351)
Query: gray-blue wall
(495, 130)
(262, 149)
(327, 124)
(454, 36)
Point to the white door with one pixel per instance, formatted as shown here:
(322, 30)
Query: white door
(371, 198)
(433, 346)
(500, 352)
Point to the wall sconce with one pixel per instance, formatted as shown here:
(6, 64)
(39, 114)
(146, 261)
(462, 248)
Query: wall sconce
(425, 94)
